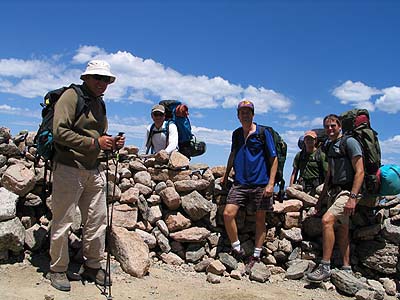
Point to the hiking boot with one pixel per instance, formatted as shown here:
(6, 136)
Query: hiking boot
(60, 281)
(347, 269)
(251, 262)
(238, 255)
(96, 275)
(321, 273)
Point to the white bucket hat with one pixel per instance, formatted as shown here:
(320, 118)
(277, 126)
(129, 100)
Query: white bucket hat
(98, 67)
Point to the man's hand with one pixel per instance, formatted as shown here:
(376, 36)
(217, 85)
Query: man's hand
(317, 209)
(269, 190)
(106, 142)
(350, 206)
(224, 181)
(119, 142)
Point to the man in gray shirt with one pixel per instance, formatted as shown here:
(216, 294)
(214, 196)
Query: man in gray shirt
(341, 190)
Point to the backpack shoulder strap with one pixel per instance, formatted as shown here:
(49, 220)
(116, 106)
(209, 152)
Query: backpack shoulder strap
(167, 123)
(149, 143)
(235, 138)
(82, 105)
(262, 135)
(343, 145)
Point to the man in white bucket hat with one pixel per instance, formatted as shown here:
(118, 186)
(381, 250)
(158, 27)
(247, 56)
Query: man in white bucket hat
(77, 180)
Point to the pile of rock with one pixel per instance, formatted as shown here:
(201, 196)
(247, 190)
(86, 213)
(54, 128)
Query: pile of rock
(165, 209)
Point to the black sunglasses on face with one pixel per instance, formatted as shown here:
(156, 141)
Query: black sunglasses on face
(157, 114)
(330, 126)
(106, 79)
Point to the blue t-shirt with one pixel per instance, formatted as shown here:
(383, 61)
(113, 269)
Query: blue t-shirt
(251, 158)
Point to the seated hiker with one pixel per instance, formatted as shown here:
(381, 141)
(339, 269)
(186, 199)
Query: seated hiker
(310, 163)
(161, 135)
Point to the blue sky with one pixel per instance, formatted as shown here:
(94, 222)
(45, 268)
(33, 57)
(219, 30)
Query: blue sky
(296, 60)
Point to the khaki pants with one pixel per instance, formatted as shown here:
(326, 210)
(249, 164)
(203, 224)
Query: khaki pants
(74, 187)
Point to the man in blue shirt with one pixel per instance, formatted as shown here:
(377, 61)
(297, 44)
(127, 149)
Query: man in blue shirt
(255, 163)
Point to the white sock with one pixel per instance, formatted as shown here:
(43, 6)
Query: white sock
(326, 264)
(236, 245)
(257, 252)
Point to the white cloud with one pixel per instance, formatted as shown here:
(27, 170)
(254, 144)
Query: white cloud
(356, 94)
(391, 145)
(304, 123)
(290, 117)
(87, 53)
(138, 79)
(390, 101)
(291, 137)
(18, 111)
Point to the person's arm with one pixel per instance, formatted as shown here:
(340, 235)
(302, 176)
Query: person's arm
(273, 163)
(269, 189)
(229, 166)
(63, 124)
(358, 166)
(295, 169)
(172, 138)
(147, 143)
(318, 205)
(293, 176)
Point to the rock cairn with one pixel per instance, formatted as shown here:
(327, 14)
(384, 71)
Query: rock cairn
(165, 209)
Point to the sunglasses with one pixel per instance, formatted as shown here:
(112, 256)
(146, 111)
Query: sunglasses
(158, 114)
(330, 126)
(106, 79)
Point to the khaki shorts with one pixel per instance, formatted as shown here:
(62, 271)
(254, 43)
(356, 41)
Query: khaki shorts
(337, 199)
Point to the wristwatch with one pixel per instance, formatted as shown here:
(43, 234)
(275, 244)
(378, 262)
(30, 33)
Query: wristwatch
(352, 195)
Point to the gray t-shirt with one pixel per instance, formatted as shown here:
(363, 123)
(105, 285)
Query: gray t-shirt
(342, 172)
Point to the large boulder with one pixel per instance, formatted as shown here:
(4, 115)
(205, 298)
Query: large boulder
(130, 250)
(125, 216)
(306, 198)
(347, 283)
(12, 235)
(178, 161)
(170, 198)
(8, 204)
(193, 234)
(379, 256)
(195, 205)
(18, 179)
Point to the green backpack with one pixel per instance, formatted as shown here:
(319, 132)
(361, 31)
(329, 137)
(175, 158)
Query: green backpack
(356, 123)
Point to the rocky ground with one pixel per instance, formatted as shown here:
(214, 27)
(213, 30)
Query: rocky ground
(24, 280)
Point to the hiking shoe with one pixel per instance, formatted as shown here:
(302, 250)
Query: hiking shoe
(321, 273)
(238, 255)
(347, 269)
(96, 275)
(250, 264)
(60, 281)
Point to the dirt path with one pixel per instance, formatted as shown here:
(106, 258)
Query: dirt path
(23, 281)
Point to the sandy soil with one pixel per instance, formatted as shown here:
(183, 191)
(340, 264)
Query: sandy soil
(27, 281)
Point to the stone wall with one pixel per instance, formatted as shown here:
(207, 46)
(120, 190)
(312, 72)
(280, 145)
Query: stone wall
(166, 209)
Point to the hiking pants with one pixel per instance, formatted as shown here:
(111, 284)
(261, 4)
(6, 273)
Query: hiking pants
(74, 187)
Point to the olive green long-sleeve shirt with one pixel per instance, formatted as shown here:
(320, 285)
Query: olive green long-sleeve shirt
(74, 138)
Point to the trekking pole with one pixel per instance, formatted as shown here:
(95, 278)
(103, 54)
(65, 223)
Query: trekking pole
(109, 222)
(107, 275)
